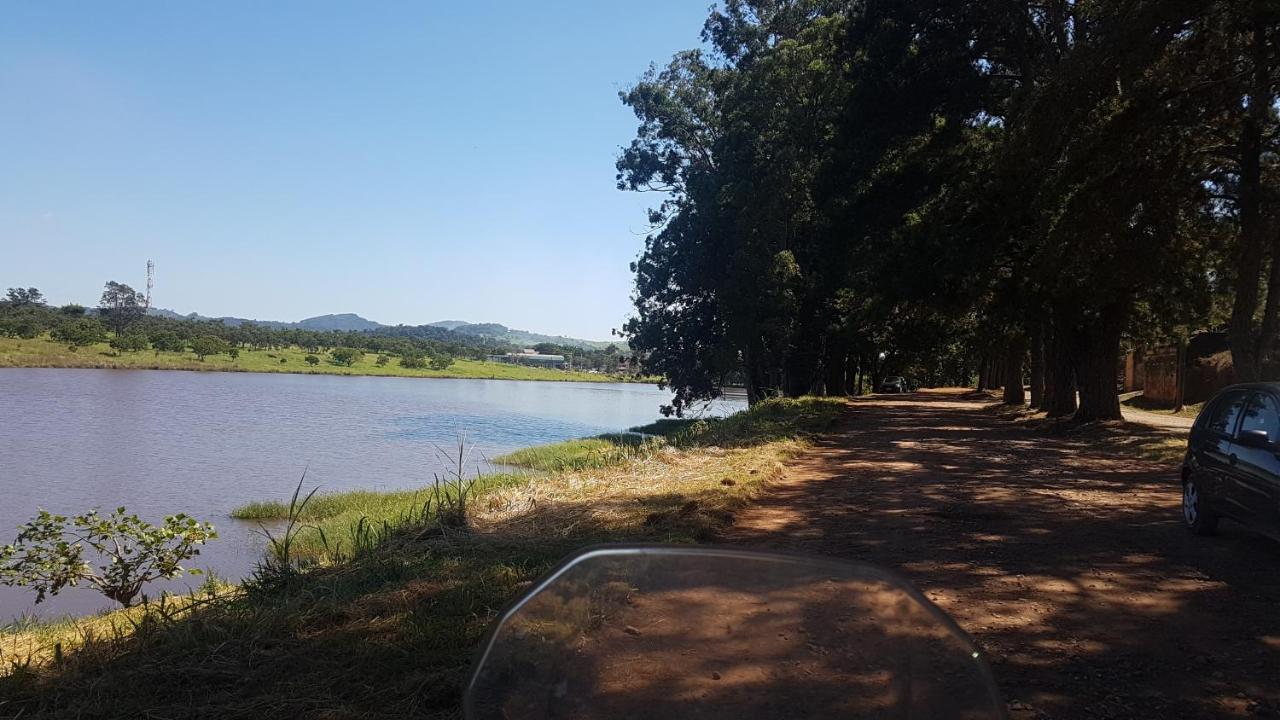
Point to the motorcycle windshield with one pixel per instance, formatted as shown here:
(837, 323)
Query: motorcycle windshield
(711, 633)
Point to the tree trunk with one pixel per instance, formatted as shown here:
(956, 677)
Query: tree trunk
(835, 364)
(1099, 353)
(1249, 249)
(982, 373)
(1060, 385)
(1036, 337)
(1015, 358)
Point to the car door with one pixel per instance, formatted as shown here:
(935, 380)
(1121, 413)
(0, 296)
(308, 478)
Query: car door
(1254, 484)
(1211, 448)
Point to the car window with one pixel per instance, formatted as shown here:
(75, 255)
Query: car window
(1262, 414)
(1226, 411)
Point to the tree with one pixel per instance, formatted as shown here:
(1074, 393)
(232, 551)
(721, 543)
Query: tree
(382, 360)
(207, 345)
(71, 310)
(413, 361)
(121, 306)
(20, 297)
(312, 360)
(441, 361)
(167, 342)
(50, 552)
(80, 333)
(233, 352)
(131, 342)
(345, 356)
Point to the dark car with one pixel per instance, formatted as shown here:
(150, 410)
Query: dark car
(1232, 468)
(893, 384)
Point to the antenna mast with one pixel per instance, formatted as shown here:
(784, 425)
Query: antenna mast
(151, 282)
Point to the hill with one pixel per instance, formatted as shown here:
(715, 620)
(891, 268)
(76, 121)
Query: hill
(352, 322)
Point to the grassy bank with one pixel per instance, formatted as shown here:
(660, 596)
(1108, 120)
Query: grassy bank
(45, 353)
(389, 630)
(1139, 402)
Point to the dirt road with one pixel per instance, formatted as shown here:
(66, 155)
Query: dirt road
(1062, 556)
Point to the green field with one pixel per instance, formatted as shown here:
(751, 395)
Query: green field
(45, 353)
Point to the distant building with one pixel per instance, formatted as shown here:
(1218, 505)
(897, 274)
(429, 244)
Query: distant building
(530, 357)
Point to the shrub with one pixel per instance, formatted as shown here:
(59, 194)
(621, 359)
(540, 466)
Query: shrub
(49, 553)
(382, 360)
(441, 361)
(285, 360)
(234, 353)
(312, 360)
(413, 361)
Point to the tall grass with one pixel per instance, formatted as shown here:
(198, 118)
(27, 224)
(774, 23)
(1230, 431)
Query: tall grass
(597, 452)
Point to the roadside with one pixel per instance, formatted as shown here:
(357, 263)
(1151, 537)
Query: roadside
(386, 622)
(1063, 555)
(45, 353)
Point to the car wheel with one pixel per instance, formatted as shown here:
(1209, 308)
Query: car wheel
(1195, 510)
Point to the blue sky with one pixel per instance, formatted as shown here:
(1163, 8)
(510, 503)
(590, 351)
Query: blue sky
(410, 162)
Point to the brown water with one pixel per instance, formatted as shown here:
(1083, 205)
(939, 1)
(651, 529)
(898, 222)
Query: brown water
(163, 442)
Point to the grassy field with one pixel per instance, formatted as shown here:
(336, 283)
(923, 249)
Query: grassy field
(387, 629)
(45, 353)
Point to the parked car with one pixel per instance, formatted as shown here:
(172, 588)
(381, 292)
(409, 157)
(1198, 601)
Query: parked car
(1232, 466)
(893, 384)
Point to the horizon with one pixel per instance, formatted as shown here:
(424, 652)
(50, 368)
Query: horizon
(411, 162)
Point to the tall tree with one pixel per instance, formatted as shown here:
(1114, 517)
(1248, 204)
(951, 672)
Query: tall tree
(121, 306)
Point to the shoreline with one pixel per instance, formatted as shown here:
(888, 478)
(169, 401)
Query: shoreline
(42, 353)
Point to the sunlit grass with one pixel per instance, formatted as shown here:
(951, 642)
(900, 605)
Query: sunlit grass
(45, 353)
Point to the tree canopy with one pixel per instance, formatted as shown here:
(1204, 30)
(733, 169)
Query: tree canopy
(956, 190)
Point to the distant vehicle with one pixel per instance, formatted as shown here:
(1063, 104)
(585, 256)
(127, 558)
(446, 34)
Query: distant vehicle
(1232, 466)
(893, 384)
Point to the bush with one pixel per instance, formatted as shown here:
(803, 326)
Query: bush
(312, 360)
(441, 361)
(234, 353)
(207, 345)
(382, 360)
(413, 361)
(345, 356)
(49, 553)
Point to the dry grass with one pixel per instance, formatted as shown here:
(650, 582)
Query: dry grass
(390, 632)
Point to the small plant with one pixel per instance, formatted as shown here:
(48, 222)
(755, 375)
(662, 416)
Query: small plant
(280, 560)
(312, 360)
(284, 361)
(49, 554)
(451, 493)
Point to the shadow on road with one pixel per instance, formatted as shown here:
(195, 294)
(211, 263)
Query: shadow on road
(1062, 554)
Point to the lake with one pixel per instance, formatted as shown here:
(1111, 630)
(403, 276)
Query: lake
(163, 442)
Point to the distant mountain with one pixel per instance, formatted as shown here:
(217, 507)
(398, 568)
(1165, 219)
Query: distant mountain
(343, 322)
(518, 337)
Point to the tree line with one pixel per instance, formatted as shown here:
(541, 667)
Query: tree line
(121, 318)
(999, 190)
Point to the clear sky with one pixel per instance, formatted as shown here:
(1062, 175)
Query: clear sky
(407, 161)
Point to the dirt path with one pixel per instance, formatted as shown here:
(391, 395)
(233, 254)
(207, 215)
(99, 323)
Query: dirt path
(1064, 558)
(1164, 421)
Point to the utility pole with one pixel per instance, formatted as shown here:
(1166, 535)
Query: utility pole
(151, 282)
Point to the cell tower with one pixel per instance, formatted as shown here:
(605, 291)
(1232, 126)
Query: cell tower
(151, 281)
